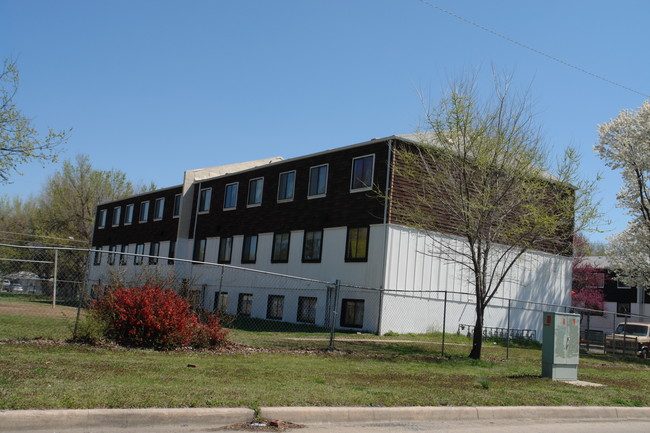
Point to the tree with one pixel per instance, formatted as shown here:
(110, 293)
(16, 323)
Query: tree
(67, 204)
(20, 142)
(624, 145)
(586, 279)
(480, 177)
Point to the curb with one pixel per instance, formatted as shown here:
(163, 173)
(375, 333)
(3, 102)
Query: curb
(18, 420)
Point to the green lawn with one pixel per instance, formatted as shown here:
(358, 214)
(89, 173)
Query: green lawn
(290, 368)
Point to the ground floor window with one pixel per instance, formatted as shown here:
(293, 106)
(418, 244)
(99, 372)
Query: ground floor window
(275, 307)
(98, 256)
(220, 302)
(306, 309)
(352, 313)
(623, 309)
(245, 304)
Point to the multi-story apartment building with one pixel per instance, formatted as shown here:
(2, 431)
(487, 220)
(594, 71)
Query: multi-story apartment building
(323, 216)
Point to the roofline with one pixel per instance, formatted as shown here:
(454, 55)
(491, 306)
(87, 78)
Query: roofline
(140, 194)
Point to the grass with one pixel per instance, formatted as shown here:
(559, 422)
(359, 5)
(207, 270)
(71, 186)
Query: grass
(293, 369)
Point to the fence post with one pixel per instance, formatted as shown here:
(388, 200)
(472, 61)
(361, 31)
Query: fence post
(333, 314)
(588, 332)
(54, 277)
(508, 333)
(444, 324)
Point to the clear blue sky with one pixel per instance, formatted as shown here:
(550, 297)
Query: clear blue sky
(153, 88)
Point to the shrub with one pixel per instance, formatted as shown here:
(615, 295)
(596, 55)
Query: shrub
(158, 318)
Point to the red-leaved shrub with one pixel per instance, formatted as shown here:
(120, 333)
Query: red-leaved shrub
(158, 318)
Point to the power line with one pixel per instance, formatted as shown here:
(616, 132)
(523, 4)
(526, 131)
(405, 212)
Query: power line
(529, 48)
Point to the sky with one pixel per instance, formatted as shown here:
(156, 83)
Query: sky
(153, 88)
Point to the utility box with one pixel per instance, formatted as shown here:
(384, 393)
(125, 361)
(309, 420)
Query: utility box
(560, 346)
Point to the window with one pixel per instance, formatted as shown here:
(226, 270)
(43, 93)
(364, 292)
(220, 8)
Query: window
(172, 252)
(101, 221)
(255, 187)
(274, 307)
(225, 250)
(286, 185)
(204, 199)
(280, 253)
(199, 250)
(117, 214)
(623, 309)
(621, 285)
(312, 246)
(139, 251)
(230, 200)
(144, 211)
(249, 252)
(220, 302)
(306, 309)
(177, 205)
(362, 171)
(158, 208)
(154, 252)
(123, 253)
(128, 214)
(352, 313)
(111, 255)
(245, 304)
(356, 249)
(98, 256)
(317, 181)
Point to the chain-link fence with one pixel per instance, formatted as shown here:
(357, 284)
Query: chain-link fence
(45, 290)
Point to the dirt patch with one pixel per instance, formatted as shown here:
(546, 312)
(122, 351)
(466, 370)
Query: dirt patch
(262, 425)
(36, 309)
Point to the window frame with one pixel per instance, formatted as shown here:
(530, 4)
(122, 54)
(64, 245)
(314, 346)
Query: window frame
(258, 191)
(311, 315)
(128, 214)
(205, 200)
(97, 260)
(372, 174)
(275, 307)
(112, 252)
(245, 299)
(154, 252)
(227, 195)
(285, 257)
(144, 209)
(178, 203)
(200, 246)
(626, 306)
(246, 252)
(138, 259)
(318, 194)
(344, 313)
(320, 249)
(171, 252)
(117, 215)
(220, 302)
(225, 244)
(159, 209)
(124, 250)
(293, 186)
(349, 257)
(101, 220)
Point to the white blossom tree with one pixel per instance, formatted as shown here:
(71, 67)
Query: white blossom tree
(624, 145)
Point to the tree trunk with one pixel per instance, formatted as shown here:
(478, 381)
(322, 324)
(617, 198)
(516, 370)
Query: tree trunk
(477, 341)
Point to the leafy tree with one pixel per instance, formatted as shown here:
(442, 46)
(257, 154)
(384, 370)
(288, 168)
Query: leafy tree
(20, 142)
(624, 145)
(480, 177)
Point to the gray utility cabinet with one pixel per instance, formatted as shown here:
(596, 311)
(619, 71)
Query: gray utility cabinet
(560, 346)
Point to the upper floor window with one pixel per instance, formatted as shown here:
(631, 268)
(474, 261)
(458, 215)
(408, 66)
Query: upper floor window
(317, 181)
(177, 205)
(225, 250)
(204, 199)
(362, 171)
(128, 214)
(230, 199)
(144, 211)
(158, 208)
(249, 251)
(101, 221)
(117, 214)
(286, 184)
(280, 253)
(255, 187)
(356, 249)
(154, 251)
(312, 246)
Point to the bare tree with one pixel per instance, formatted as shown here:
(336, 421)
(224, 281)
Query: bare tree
(481, 177)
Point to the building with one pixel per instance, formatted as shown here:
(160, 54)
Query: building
(318, 217)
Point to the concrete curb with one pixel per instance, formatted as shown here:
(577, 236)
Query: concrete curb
(17, 420)
(69, 419)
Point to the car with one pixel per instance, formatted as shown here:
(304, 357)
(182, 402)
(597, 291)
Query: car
(16, 288)
(6, 284)
(630, 337)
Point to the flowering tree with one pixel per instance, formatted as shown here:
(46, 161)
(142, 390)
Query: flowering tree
(585, 292)
(625, 146)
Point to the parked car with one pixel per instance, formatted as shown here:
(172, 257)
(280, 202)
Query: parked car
(16, 288)
(631, 337)
(6, 284)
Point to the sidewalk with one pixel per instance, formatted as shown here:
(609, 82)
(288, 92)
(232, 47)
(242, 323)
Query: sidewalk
(53, 420)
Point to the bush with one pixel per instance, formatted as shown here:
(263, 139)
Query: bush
(158, 318)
